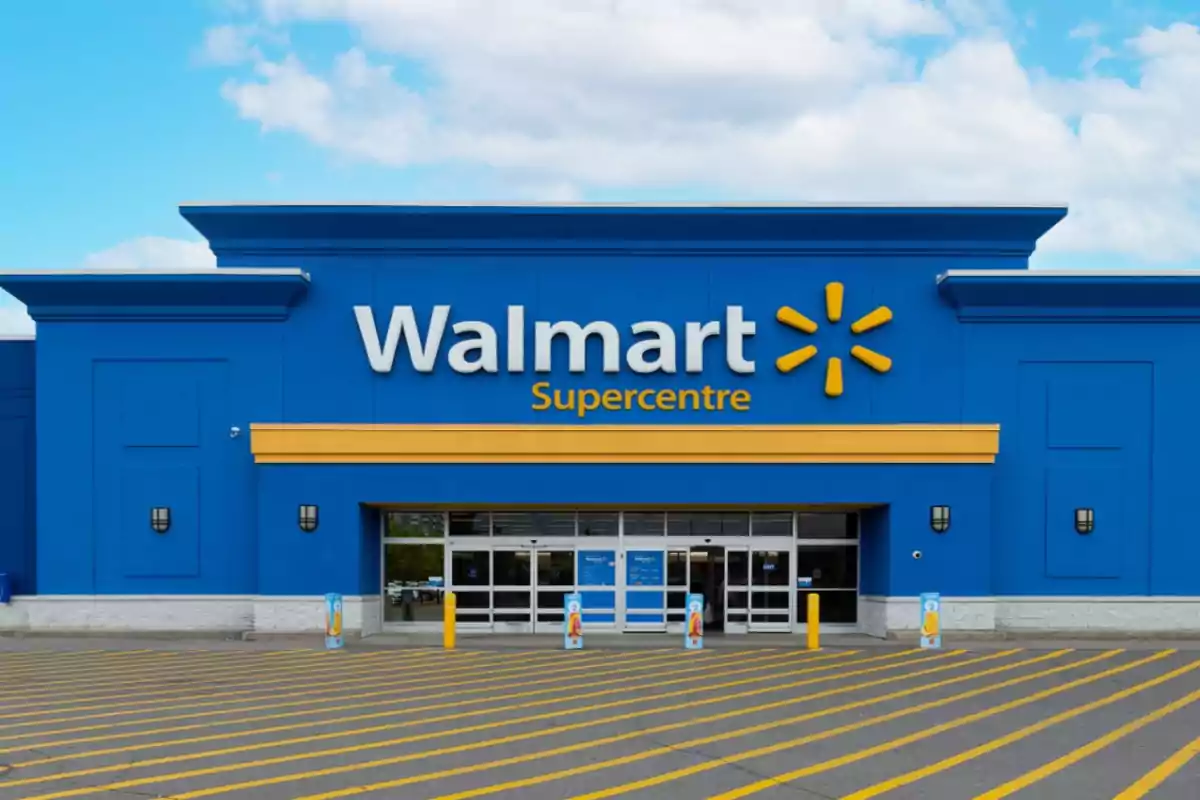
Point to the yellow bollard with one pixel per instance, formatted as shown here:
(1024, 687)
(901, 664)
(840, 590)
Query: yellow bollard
(450, 603)
(814, 621)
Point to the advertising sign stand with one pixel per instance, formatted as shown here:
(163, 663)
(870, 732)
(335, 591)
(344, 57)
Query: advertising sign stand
(931, 620)
(333, 622)
(693, 631)
(573, 622)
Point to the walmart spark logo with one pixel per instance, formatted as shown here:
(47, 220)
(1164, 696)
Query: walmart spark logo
(834, 294)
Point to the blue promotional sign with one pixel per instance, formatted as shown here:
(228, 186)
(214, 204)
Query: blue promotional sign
(645, 567)
(333, 622)
(573, 622)
(597, 568)
(804, 583)
(931, 620)
(693, 631)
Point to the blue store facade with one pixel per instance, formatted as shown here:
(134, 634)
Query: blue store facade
(632, 402)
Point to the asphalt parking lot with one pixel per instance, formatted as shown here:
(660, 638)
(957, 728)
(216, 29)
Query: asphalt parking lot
(416, 724)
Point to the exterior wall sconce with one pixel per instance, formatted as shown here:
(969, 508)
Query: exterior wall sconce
(308, 518)
(939, 518)
(1085, 520)
(160, 519)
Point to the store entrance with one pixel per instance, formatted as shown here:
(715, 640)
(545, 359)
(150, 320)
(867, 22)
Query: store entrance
(706, 575)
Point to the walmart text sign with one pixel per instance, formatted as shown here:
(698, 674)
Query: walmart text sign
(654, 349)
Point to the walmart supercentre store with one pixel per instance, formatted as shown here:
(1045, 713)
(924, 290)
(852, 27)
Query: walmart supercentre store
(631, 402)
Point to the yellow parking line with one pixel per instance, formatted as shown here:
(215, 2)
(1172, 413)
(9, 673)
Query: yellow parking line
(759, 728)
(134, 707)
(462, 748)
(318, 701)
(625, 668)
(207, 670)
(315, 667)
(33, 665)
(1096, 745)
(888, 746)
(432, 734)
(1029, 730)
(152, 675)
(1155, 777)
(581, 746)
(624, 673)
(223, 768)
(150, 663)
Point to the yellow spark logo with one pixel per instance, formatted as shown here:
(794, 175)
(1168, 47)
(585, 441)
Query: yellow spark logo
(834, 294)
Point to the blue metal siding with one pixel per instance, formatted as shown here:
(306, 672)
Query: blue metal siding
(17, 461)
(1093, 411)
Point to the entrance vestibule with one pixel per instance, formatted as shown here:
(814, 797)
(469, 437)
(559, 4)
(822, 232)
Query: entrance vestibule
(511, 569)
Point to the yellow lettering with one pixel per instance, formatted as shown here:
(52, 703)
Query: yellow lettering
(589, 400)
(584, 401)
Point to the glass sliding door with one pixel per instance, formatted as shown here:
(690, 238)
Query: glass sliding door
(737, 589)
(471, 582)
(554, 580)
(770, 590)
(597, 585)
(645, 590)
(512, 590)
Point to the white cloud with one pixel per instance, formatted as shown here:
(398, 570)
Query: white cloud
(14, 320)
(153, 252)
(814, 100)
(229, 44)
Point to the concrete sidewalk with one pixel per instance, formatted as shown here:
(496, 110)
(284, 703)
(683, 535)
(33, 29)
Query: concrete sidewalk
(235, 640)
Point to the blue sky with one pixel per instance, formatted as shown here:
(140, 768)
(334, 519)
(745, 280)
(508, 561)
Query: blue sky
(118, 111)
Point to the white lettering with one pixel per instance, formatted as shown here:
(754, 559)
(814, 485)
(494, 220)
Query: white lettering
(483, 343)
(653, 349)
(577, 336)
(695, 336)
(737, 329)
(516, 338)
(403, 324)
(663, 345)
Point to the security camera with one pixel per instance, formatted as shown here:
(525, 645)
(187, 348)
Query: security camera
(917, 555)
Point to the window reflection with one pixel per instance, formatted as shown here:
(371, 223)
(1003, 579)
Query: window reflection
(771, 523)
(598, 523)
(827, 526)
(470, 567)
(469, 523)
(414, 525)
(707, 524)
(645, 523)
(512, 567)
(413, 584)
(533, 524)
(830, 566)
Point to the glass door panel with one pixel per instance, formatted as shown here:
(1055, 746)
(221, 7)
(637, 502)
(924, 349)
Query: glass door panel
(678, 581)
(737, 589)
(555, 579)
(471, 582)
(598, 586)
(770, 590)
(645, 590)
(512, 590)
